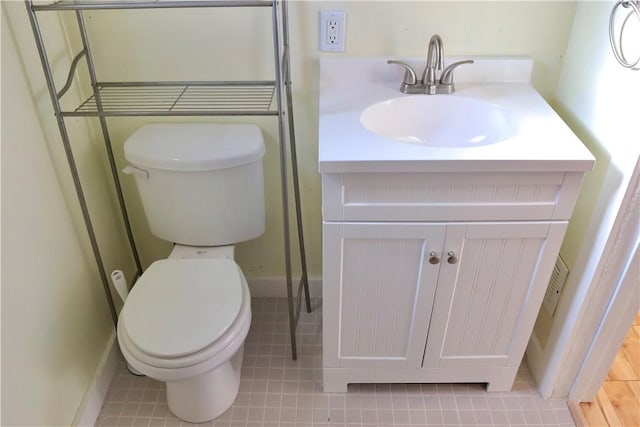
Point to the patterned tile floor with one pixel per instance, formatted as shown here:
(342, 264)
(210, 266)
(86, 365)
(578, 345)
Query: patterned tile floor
(276, 391)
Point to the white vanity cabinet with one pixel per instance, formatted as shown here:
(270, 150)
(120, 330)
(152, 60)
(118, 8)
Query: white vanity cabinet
(436, 277)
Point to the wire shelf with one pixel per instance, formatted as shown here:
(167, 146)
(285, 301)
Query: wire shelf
(180, 98)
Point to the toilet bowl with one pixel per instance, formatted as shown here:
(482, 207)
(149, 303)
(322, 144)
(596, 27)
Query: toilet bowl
(186, 319)
(184, 323)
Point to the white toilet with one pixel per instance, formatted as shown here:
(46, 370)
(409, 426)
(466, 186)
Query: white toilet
(186, 319)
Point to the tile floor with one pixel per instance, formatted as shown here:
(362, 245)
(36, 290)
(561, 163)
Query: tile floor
(276, 391)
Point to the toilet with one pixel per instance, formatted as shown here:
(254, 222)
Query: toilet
(185, 320)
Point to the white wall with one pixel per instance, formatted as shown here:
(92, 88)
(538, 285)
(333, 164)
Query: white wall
(55, 320)
(598, 98)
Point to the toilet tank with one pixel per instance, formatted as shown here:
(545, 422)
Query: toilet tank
(200, 184)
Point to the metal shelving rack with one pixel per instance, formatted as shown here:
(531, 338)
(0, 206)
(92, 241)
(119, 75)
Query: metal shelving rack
(183, 98)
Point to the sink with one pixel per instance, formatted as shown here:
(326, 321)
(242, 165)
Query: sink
(440, 121)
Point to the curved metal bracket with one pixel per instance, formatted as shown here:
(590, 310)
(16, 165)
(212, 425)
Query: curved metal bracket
(72, 71)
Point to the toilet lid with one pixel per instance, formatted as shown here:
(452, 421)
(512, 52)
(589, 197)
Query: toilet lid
(180, 306)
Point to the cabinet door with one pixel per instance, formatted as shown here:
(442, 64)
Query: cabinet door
(486, 303)
(378, 289)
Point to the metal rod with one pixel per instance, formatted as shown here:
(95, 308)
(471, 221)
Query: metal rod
(107, 142)
(95, 5)
(70, 159)
(72, 72)
(139, 113)
(190, 83)
(178, 98)
(284, 178)
(299, 298)
(294, 156)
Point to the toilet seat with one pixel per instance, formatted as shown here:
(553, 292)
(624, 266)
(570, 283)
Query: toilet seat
(174, 296)
(167, 368)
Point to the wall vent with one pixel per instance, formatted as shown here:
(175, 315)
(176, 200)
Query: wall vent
(556, 283)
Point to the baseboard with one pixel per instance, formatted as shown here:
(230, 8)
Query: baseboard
(534, 354)
(276, 287)
(106, 370)
(576, 414)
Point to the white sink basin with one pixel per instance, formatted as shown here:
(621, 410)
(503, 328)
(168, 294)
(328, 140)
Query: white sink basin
(439, 121)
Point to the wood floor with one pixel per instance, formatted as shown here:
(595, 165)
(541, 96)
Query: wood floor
(618, 400)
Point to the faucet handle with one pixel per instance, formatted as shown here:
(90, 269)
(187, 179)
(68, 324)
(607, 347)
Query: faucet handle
(410, 77)
(446, 78)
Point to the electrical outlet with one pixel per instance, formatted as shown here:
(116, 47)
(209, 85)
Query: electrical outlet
(332, 26)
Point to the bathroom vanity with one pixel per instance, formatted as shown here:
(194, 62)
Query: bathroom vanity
(436, 258)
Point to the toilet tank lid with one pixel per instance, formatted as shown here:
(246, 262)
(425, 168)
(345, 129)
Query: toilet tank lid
(194, 146)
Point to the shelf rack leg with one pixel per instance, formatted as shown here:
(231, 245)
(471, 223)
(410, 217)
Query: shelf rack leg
(293, 313)
(294, 156)
(107, 142)
(284, 183)
(70, 159)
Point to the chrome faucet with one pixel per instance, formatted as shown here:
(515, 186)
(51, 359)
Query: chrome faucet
(429, 84)
(435, 61)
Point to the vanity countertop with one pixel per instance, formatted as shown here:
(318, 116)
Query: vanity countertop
(347, 86)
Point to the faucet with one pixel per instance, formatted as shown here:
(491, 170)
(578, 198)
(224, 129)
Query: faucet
(435, 61)
(429, 84)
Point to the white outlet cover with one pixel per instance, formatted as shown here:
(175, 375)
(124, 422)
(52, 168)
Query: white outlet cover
(332, 39)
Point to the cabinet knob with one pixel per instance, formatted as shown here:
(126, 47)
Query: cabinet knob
(434, 258)
(453, 258)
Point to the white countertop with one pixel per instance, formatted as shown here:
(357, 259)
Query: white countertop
(347, 86)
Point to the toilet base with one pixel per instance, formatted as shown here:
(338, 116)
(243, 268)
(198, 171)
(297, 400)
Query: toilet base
(206, 396)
